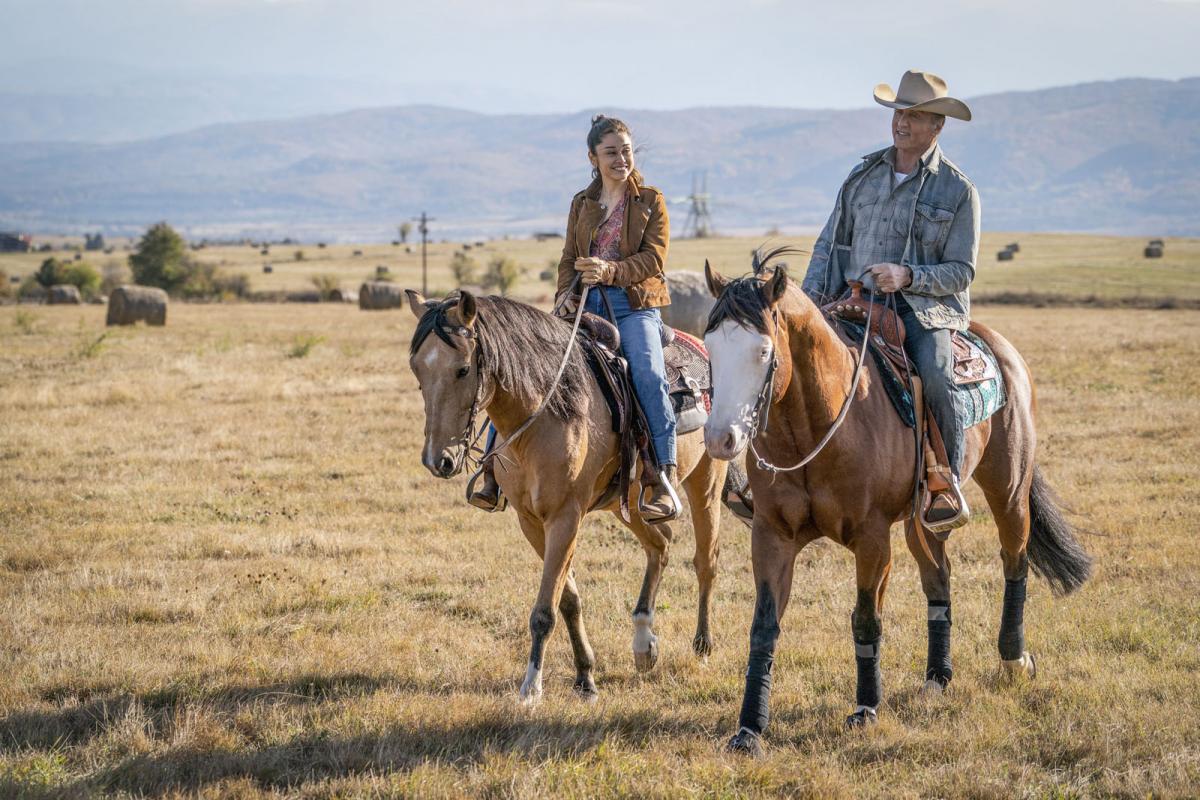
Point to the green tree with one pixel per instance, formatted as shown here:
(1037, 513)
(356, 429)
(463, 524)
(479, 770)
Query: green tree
(51, 273)
(84, 276)
(405, 230)
(465, 269)
(159, 258)
(503, 272)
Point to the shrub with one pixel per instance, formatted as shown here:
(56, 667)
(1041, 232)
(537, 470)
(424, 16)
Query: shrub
(202, 280)
(326, 285)
(299, 255)
(85, 277)
(160, 259)
(503, 272)
(303, 344)
(5, 286)
(465, 269)
(114, 274)
(51, 273)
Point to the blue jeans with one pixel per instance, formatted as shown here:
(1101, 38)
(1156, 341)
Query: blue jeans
(933, 357)
(641, 344)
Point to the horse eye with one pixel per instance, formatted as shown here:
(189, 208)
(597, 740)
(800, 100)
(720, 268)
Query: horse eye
(462, 372)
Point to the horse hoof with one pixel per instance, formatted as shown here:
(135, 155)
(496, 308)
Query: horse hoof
(862, 718)
(702, 645)
(586, 691)
(1019, 668)
(745, 742)
(646, 661)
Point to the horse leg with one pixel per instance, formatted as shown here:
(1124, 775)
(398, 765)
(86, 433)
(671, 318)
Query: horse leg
(873, 565)
(656, 541)
(560, 534)
(774, 559)
(571, 609)
(1010, 509)
(935, 581)
(703, 487)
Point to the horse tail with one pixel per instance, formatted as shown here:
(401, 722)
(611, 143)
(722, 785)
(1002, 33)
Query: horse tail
(1054, 551)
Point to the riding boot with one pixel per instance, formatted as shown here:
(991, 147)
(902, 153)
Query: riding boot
(947, 510)
(663, 503)
(487, 496)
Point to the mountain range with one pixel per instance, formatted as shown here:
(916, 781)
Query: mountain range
(1119, 156)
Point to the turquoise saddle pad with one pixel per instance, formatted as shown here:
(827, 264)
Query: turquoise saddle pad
(974, 402)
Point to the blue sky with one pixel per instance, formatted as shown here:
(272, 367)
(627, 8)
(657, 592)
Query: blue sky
(557, 55)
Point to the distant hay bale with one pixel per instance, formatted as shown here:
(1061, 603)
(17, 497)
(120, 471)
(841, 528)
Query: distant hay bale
(63, 294)
(380, 295)
(303, 296)
(358, 252)
(381, 270)
(1156, 243)
(129, 304)
(1004, 255)
(690, 302)
(1154, 251)
(1015, 247)
(268, 269)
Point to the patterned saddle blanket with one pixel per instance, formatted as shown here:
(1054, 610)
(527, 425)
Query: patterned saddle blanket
(979, 386)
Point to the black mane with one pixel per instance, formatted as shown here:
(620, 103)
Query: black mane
(521, 348)
(742, 301)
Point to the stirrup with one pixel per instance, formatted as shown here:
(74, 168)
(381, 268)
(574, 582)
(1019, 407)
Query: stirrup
(501, 500)
(942, 528)
(670, 493)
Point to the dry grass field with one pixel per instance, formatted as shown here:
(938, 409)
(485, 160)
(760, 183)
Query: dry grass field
(224, 573)
(1055, 265)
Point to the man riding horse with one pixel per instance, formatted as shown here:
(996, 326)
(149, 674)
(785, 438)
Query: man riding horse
(906, 221)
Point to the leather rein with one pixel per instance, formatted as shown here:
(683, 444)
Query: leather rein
(762, 408)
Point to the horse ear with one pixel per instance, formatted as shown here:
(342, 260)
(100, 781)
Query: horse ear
(464, 313)
(715, 280)
(416, 302)
(774, 289)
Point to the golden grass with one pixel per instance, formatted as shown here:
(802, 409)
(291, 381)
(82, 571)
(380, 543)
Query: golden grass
(1070, 265)
(224, 572)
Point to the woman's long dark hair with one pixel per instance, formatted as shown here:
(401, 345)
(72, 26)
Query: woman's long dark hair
(602, 126)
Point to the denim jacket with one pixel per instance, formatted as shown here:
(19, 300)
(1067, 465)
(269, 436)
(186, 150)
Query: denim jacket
(941, 251)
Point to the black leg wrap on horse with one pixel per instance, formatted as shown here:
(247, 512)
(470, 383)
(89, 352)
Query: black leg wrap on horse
(870, 685)
(764, 632)
(1012, 623)
(937, 662)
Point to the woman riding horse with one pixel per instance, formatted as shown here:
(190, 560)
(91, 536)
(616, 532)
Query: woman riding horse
(617, 237)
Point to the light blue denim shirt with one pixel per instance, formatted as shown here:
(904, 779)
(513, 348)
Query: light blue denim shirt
(941, 240)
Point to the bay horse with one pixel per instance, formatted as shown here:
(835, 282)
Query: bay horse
(862, 482)
(501, 356)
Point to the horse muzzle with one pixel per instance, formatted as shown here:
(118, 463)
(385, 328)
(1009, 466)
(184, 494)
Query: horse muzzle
(724, 442)
(445, 464)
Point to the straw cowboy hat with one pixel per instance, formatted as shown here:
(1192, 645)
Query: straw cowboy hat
(922, 91)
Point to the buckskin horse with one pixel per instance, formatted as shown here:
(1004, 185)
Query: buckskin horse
(781, 378)
(499, 355)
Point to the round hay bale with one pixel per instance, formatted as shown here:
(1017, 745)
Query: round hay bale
(690, 302)
(380, 295)
(381, 270)
(63, 294)
(129, 304)
(268, 269)
(1015, 247)
(358, 252)
(1004, 255)
(1155, 243)
(1154, 252)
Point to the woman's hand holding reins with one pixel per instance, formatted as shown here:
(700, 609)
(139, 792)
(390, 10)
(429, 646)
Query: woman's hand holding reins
(595, 271)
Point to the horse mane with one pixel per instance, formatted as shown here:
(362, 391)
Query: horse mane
(521, 348)
(742, 300)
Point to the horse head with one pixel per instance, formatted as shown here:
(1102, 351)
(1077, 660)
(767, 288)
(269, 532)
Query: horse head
(741, 341)
(447, 368)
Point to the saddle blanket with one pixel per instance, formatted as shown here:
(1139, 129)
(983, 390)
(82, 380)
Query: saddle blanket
(978, 388)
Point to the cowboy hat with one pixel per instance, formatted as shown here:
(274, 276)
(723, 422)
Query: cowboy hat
(922, 91)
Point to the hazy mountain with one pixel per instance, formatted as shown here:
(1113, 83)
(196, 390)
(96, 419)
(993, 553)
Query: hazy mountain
(1120, 156)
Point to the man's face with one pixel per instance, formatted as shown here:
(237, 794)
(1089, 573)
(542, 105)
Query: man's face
(914, 131)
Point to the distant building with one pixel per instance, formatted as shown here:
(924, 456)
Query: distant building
(15, 243)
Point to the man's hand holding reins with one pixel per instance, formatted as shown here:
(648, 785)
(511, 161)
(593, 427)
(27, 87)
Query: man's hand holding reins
(889, 277)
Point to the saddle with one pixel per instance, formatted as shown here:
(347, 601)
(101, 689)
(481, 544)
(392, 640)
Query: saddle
(689, 386)
(886, 340)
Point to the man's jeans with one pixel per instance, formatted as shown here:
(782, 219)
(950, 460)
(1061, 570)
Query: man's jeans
(641, 344)
(933, 358)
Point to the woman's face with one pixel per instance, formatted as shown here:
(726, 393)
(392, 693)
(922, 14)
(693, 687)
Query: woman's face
(613, 156)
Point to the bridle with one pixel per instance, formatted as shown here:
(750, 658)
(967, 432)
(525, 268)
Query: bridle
(470, 440)
(762, 407)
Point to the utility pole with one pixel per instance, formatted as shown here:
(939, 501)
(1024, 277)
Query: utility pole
(423, 228)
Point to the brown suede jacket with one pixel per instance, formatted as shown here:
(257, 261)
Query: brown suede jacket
(645, 235)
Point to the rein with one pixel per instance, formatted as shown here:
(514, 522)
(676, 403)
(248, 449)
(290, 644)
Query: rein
(763, 407)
